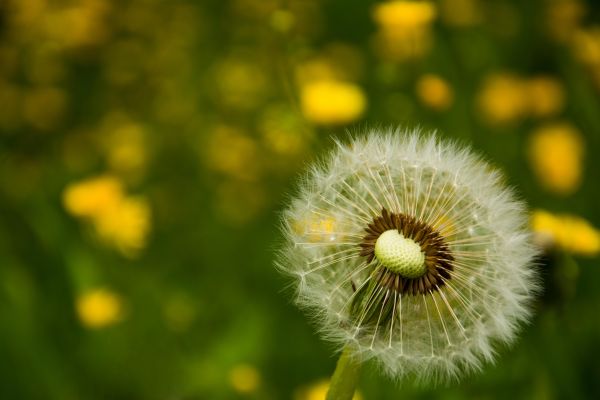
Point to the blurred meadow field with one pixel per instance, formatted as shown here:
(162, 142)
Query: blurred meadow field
(147, 148)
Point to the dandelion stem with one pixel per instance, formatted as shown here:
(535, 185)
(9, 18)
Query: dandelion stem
(345, 377)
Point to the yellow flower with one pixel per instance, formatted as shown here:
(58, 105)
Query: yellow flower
(244, 378)
(404, 29)
(502, 98)
(86, 22)
(556, 156)
(119, 220)
(545, 95)
(506, 98)
(99, 308)
(332, 102)
(92, 197)
(434, 92)
(404, 15)
(318, 391)
(568, 232)
(125, 226)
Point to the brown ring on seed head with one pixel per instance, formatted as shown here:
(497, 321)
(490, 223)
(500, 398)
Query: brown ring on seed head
(438, 257)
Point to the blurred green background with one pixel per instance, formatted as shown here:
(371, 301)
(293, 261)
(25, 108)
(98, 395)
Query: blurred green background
(146, 148)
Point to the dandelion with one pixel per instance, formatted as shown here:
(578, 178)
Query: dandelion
(331, 102)
(99, 308)
(546, 96)
(421, 261)
(434, 92)
(556, 153)
(405, 29)
(119, 220)
(502, 99)
(507, 98)
(570, 233)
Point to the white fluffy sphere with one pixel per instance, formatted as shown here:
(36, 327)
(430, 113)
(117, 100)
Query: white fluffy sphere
(477, 253)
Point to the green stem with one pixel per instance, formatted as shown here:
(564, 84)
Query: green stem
(345, 377)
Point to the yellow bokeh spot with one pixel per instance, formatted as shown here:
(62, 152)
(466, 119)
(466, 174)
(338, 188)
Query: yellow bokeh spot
(404, 15)
(502, 98)
(244, 378)
(99, 308)
(332, 102)
(119, 220)
(318, 391)
(556, 156)
(93, 197)
(404, 29)
(506, 98)
(125, 226)
(568, 232)
(86, 22)
(434, 92)
(546, 96)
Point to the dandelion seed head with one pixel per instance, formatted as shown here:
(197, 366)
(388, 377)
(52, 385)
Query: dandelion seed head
(412, 250)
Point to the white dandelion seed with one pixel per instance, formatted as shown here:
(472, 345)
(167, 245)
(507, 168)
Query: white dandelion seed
(411, 250)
